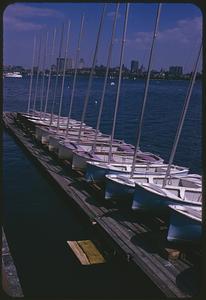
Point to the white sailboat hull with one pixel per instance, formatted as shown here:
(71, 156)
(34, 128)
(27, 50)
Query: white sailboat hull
(80, 158)
(55, 141)
(43, 134)
(183, 227)
(96, 171)
(149, 197)
(121, 186)
(66, 151)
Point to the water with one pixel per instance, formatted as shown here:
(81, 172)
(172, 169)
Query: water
(165, 101)
(38, 220)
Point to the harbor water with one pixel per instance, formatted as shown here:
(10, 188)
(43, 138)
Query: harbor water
(38, 220)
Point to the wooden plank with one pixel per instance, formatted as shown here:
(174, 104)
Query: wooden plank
(82, 257)
(93, 254)
(10, 279)
(86, 252)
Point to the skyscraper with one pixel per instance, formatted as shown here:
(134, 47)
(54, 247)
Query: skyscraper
(176, 70)
(60, 64)
(134, 66)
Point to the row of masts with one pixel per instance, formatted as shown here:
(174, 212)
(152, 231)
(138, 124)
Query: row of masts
(41, 61)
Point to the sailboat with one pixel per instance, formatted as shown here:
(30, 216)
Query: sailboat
(54, 139)
(149, 196)
(124, 157)
(57, 125)
(121, 187)
(40, 117)
(82, 132)
(185, 224)
(80, 157)
(96, 171)
(66, 148)
(64, 143)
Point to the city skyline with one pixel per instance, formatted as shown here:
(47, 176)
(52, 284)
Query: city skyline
(135, 71)
(180, 32)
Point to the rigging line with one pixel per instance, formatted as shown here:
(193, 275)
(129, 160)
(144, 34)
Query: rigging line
(44, 72)
(139, 130)
(182, 118)
(50, 72)
(119, 81)
(106, 77)
(57, 76)
(32, 74)
(75, 75)
(64, 71)
(92, 71)
(37, 76)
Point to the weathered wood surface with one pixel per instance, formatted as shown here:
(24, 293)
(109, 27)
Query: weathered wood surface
(86, 252)
(141, 239)
(10, 280)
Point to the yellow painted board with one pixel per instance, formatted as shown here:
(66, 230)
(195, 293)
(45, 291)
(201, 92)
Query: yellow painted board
(78, 252)
(86, 252)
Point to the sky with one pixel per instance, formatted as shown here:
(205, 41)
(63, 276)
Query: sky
(177, 43)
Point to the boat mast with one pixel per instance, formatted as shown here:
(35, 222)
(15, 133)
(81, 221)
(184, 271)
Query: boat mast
(56, 81)
(37, 76)
(106, 76)
(75, 74)
(139, 131)
(50, 72)
(63, 79)
(182, 117)
(32, 74)
(44, 69)
(119, 81)
(91, 73)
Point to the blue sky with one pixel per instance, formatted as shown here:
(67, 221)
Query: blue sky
(180, 31)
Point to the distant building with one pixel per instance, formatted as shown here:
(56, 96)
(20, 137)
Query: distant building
(176, 70)
(53, 68)
(70, 63)
(17, 69)
(60, 64)
(35, 70)
(141, 70)
(134, 66)
(81, 63)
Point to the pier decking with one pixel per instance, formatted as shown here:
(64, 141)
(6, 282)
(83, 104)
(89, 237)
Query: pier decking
(138, 238)
(10, 279)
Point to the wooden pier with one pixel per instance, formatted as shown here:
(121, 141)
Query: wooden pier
(138, 238)
(10, 280)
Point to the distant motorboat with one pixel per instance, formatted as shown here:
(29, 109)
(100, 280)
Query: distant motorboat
(185, 224)
(112, 83)
(13, 75)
